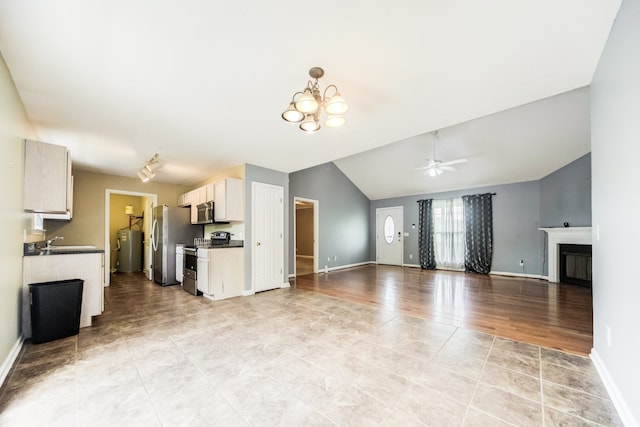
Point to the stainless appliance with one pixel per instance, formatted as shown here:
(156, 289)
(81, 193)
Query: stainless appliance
(190, 270)
(129, 251)
(171, 225)
(220, 238)
(205, 213)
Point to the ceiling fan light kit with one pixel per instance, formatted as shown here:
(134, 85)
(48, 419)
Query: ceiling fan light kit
(436, 167)
(307, 108)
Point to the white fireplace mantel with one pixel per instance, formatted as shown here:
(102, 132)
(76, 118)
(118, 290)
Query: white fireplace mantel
(559, 236)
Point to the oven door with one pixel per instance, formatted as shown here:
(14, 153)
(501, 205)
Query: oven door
(190, 281)
(190, 271)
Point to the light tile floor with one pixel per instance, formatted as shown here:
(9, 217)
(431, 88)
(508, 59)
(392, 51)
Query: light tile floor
(288, 357)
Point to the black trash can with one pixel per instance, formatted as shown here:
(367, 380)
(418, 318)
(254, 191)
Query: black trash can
(55, 309)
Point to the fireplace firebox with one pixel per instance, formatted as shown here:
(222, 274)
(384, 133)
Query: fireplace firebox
(575, 264)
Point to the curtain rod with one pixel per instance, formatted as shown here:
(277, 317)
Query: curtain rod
(493, 194)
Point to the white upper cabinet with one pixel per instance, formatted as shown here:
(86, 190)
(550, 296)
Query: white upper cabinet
(210, 192)
(48, 186)
(229, 200)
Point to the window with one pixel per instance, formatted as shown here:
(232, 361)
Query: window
(448, 233)
(389, 229)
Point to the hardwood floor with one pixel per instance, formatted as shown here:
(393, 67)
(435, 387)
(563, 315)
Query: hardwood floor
(304, 265)
(552, 315)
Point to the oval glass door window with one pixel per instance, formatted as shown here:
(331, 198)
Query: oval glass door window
(389, 229)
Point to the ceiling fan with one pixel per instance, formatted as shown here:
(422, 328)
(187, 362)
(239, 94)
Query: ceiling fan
(436, 167)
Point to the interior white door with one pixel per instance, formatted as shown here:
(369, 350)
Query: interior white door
(389, 228)
(267, 240)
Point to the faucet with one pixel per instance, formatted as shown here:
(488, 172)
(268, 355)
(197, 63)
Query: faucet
(53, 239)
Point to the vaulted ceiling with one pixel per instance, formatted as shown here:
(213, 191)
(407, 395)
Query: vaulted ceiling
(203, 84)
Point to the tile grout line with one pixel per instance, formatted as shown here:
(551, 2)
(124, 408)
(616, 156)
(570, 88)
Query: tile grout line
(541, 386)
(475, 388)
(144, 385)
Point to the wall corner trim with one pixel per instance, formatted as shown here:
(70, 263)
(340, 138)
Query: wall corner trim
(624, 411)
(10, 359)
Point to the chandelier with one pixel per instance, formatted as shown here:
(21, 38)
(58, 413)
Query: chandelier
(307, 108)
(149, 169)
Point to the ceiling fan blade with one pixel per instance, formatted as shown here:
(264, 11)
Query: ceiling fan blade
(430, 164)
(447, 168)
(454, 162)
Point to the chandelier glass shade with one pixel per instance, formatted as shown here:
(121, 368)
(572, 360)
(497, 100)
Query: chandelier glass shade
(306, 107)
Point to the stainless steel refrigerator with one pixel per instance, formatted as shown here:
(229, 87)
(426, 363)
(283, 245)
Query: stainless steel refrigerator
(171, 225)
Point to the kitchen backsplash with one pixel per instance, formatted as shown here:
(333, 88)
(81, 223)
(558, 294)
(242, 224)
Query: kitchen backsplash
(236, 230)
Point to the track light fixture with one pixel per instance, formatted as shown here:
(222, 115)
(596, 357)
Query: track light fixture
(149, 169)
(307, 108)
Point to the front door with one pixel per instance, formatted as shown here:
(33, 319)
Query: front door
(267, 236)
(389, 235)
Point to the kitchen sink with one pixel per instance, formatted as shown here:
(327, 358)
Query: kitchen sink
(68, 248)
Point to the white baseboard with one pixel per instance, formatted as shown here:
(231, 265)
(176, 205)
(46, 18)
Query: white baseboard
(248, 293)
(509, 273)
(624, 411)
(10, 359)
(285, 285)
(411, 265)
(207, 296)
(497, 273)
(341, 267)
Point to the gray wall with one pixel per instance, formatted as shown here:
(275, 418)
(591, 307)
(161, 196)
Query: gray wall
(615, 130)
(343, 213)
(565, 195)
(266, 176)
(515, 225)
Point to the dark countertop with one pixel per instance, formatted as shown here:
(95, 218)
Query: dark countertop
(231, 244)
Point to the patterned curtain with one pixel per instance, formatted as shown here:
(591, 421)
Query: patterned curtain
(478, 222)
(425, 236)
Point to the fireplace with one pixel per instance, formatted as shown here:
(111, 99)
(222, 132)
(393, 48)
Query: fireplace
(575, 264)
(563, 236)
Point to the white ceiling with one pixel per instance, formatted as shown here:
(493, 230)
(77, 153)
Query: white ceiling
(203, 84)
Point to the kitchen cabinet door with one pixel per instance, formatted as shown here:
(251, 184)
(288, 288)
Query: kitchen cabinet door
(203, 274)
(47, 178)
(209, 193)
(88, 267)
(229, 200)
(194, 196)
(226, 274)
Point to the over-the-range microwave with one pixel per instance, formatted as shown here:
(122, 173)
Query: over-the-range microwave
(205, 213)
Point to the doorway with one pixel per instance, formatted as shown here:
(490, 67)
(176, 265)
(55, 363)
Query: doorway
(306, 236)
(127, 210)
(267, 241)
(389, 228)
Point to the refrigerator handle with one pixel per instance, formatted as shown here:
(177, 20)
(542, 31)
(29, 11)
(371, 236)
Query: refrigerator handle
(154, 235)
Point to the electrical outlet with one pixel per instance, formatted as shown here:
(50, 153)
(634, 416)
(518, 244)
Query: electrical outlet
(521, 262)
(410, 256)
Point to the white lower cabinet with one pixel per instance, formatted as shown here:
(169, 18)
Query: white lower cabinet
(225, 273)
(203, 270)
(87, 266)
(179, 263)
